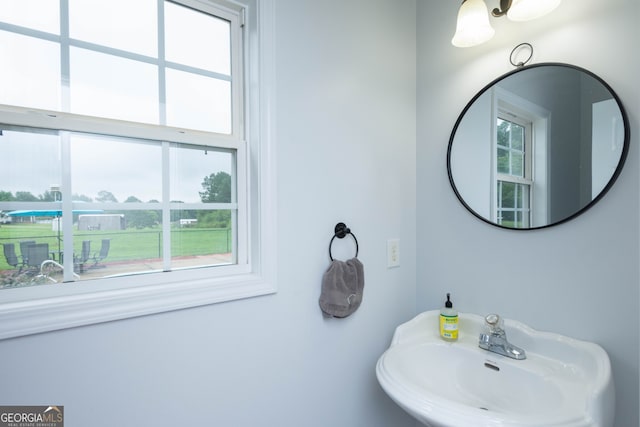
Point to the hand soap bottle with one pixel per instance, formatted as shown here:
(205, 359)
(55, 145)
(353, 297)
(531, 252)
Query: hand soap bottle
(448, 321)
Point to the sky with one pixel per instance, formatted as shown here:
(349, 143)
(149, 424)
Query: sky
(196, 94)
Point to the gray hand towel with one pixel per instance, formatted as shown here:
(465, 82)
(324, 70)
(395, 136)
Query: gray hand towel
(342, 288)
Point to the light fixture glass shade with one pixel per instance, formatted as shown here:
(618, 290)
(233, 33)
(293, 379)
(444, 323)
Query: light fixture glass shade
(526, 10)
(473, 26)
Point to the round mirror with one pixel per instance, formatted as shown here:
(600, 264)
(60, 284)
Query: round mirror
(538, 146)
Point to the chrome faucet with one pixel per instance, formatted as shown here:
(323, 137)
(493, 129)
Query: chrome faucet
(495, 339)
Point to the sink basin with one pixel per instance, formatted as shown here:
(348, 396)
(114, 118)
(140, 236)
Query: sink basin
(562, 382)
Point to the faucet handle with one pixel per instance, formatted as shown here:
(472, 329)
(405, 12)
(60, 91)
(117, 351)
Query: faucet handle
(494, 322)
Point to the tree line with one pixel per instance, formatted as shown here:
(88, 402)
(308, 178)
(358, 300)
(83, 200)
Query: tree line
(216, 188)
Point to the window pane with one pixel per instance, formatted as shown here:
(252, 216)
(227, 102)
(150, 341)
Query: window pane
(507, 218)
(110, 244)
(207, 37)
(200, 238)
(108, 86)
(121, 24)
(517, 164)
(503, 161)
(113, 170)
(134, 250)
(507, 194)
(30, 166)
(519, 196)
(42, 15)
(503, 133)
(33, 79)
(198, 102)
(517, 137)
(200, 174)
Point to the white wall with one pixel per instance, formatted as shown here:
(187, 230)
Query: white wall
(472, 170)
(584, 280)
(345, 152)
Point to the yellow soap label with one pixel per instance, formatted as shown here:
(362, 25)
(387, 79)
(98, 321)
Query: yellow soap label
(449, 327)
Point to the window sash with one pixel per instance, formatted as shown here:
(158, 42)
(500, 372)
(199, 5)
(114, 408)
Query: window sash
(518, 212)
(227, 11)
(238, 205)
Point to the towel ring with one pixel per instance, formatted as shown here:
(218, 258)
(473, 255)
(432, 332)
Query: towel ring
(340, 231)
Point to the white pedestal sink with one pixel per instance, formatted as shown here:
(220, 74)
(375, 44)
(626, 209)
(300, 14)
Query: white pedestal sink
(562, 382)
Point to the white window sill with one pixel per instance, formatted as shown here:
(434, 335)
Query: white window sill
(81, 306)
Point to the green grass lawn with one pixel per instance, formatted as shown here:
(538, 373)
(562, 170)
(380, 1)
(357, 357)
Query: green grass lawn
(129, 244)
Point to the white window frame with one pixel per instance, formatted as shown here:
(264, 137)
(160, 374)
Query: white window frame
(44, 308)
(539, 118)
(527, 178)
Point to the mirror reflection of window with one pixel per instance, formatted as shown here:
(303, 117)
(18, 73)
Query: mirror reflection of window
(513, 171)
(511, 148)
(519, 176)
(513, 204)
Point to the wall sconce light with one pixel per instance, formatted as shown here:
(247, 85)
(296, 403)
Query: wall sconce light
(473, 27)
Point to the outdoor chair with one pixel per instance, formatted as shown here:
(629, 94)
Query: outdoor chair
(37, 253)
(10, 255)
(41, 266)
(36, 256)
(24, 250)
(104, 252)
(79, 261)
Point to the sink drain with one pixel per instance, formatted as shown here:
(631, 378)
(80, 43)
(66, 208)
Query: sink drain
(492, 366)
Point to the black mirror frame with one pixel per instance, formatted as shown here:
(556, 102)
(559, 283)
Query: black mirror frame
(614, 177)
